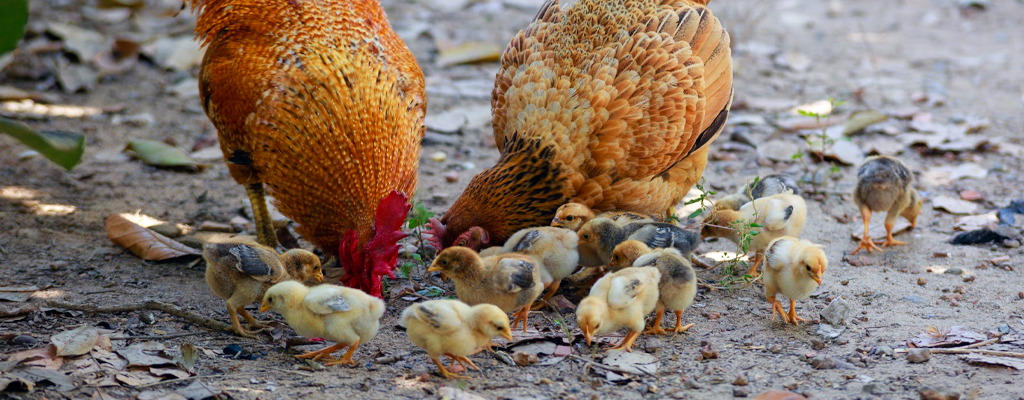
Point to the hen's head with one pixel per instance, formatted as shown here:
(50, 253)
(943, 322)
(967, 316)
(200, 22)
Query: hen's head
(474, 238)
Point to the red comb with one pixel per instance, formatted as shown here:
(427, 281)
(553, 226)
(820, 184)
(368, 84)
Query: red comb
(436, 231)
(364, 269)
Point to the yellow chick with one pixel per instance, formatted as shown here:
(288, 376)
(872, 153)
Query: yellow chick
(347, 316)
(794, 268)
(763, 187)
(239, 271)
(491, 251)
(619, 300)
(778, 215)
(454, 329)
(626, 253)
(553, 249)
(676, 289)
(885, 184)
(510, 281)
(600, 236)
(572, 216)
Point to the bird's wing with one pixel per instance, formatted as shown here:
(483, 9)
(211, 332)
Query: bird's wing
(663, 237)
(527, 241)
(777, 215)
(250, 263)
(326, 300)
(623, 291)
(515, 274)
(441, 317)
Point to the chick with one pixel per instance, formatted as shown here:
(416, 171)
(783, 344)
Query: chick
(572, 216)
(885, 184)
(240, 271)
(794, 268)
(626, 253)
(778, 215)
(763, 187)
(553, 250)
(344, 315)
(491, 251)
(510, 281)
(619, 300)
(454, 329)
(676, 289)
(600, 236)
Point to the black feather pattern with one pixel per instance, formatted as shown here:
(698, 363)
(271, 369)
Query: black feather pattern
(249, 261)
(789, 213)
(527, 241)
(523, 278)
(431, 316)
(663, 238)
(337, 303)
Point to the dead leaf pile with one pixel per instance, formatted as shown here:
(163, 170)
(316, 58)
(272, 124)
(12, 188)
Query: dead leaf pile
(145, 243)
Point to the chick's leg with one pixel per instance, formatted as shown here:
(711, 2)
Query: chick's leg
(521, 315)
(679, 323)
(758, 257)
(777, 309)
(627, 342)
(265, 233)
(444, 371)
(890, 222)
(250, 320)
(236, 327)
(347, 358)
(655, 328)
(792, 313)
(463, 361)
(548, 294)
(324, 353)
(865, 242)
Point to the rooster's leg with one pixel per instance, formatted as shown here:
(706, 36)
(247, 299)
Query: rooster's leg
(322, 353)
(347, 358)
(249, 320)
(444, 371)
(865, 242)
(548, 294)
(795, 320)
(265, 233)
(679, 323)
(236, 327)
(655, 328)
(627, 342)
(521, 315)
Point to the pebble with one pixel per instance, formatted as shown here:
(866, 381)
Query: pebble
(439, 156)
(1003, 328)
(914, 299)
(24, 340)
(883, 351)
(1011, 243)
(1020, 295)
(931, 393)
(740, 391)
(918, 355)
(776, 348)
(954, 271)
(921, 281)
(817, 345)
(836, 312)
(741, 381)
(876, 388)
(451, 176)
(823, 362)
(58, 265)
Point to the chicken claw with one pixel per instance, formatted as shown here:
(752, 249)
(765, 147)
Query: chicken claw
(521, 315)
(793, 319)
(444, 371)
(778, 310)
(679, 328)
(655, 328)
(627, 342)
(347, 358)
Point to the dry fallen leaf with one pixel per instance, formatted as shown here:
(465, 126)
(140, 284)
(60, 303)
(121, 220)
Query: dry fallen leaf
(142, 242)
(860, 120)
(968, 170)
(954, 205)
(975, 222)
(466, 53)
(843, 151)
(778, 150)
(975, 358)
(75, 342)
(17, 294)
(144, 354)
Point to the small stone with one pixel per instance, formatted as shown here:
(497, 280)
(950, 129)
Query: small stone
(777, 349)
(24, 340)
(147, 318)
(917, 356)
(691, 384)
(1003, 328)
(931, 393)
(652, 388)
(439, 156)
(954, 271)
(914, 299)
(1020, 295)
(58, 265)
(836, 312)
(741, 381)
(679, 394)
(823, 362)
(970, 278)
(817, 345)
(523, 359)
(875, 388)
(451, 176)
(954, 303)
(545, 381)
(921, 281)
(708, 353)
(1011, 243)
(740, 391)
(883, 351)
(210, 226)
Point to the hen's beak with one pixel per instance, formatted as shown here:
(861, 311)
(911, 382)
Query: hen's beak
(507, 335)
(264, 307)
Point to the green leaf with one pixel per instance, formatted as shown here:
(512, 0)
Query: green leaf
(63, 148)
(808, 113)
(160, 154)
(756, 225)
(694, 214)
(13, 17)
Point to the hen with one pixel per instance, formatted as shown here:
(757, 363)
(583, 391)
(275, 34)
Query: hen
(322, 104)
(611, 104)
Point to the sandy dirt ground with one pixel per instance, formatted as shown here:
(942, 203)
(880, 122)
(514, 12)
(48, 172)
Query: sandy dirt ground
(912, 58)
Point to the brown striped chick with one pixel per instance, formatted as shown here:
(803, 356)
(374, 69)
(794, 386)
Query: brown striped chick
(510, 281)
(619, 300)
(346, 316)
(572, 216)
(601, 235)
(239, 271)
(554, 250)
(676, 289)
(763, 187)
(626, 253)
(454, 329)
(779, 215)
(794, 268)
(885, 184)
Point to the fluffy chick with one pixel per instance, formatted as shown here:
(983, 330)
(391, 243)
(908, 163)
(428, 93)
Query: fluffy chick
(768, 186)
(626, 253)
(344, 315)
(779, 215)
(240, 271)
(794, 268)
(553, 249)
(572, 216)
(510, 281)
(619, 300)
(885, 184)
(600, 236)
(454, 329)
(676, 289)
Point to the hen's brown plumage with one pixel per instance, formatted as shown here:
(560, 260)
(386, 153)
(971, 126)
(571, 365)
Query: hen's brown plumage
(320, 101)
(608, 104)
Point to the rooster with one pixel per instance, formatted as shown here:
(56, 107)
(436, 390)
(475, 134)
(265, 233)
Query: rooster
(612, 104)
(321, 104)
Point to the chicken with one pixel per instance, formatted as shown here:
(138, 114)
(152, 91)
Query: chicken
(347, 316)
(572, 216)
(601, 235)
(454, 329)
(885, 184)
(610, 104)
(619, 300)
(626, 253)
(778, 215)
(676, 289)
(320, 104)
(762, 187)
(554, 252)
(510, 281)
(794, 268)
(240, 271)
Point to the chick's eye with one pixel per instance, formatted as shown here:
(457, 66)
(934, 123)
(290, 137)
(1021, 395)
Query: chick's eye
(808, 267)
(444, 262)
(569, 218)
(586, 237)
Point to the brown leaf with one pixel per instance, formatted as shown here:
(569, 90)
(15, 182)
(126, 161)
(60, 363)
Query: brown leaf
(43, 357)
(143, 354)
(143, 242)
(1014, 363)
(954, 205)
(17, 294)
(75, 342)
(955, 336)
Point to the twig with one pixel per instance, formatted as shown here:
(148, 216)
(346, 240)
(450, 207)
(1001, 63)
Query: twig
(972, 348)
(300, 373)
(393, 358)
(100, 291)
(149, 305)
(155, 337)
(608, 367)
(175, 380)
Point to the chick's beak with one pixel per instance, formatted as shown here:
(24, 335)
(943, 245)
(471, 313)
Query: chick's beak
(434, 268)
(264, 307)
(507, 335)
(588, 333)
(817, 278)
(556, 223)
(319, 277)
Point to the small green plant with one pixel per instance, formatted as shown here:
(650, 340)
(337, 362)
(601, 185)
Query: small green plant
(704, 199)
(818, 142)
(746, 231)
